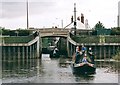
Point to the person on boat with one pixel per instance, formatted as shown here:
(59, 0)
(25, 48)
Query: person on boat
(91, 55)
(83, 49)
(86, 59)
(55, 51)
(77, 55)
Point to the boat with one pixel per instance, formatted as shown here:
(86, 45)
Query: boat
(55, 53)
(83, 64)
(84, 68)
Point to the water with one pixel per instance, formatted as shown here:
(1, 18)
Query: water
(55, 70)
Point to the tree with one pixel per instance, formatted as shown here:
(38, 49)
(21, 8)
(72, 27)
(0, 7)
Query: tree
(115, 31)
(99, 26)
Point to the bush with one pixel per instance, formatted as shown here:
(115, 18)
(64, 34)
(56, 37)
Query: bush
(117, 56)
(18, 32)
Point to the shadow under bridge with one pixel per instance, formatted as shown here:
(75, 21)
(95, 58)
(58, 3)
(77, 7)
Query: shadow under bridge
(54, 37)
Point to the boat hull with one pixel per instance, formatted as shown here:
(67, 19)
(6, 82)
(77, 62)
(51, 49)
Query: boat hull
(84, 69)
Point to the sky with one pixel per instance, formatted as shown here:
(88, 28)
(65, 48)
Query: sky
(48, 13)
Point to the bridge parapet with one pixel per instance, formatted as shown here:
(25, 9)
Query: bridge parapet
(58, 32)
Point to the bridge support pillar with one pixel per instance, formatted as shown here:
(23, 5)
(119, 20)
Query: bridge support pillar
(109, 52)
(104, 52)
(23, 55)
(30, 53)
(33, 51)
(3, 52)
(71, 50)
(14, 53)
(38, 48)
(9, 53)
(68, 49)
(114, 49)
(100, 52)
(18, 51)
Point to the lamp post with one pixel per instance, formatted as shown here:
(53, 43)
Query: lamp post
(62, 23)
(27, 14)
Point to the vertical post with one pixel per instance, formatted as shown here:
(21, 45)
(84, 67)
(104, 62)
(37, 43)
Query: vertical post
(26, 52)
(14, 54)
(30, 52)
(62, 23)
(71, 48)
(30, 59)
(75, 24)
(104, 52)
(118, 21)
(27, 56)
(27, 15)
(95, 51)
(18, 58)
(4, 56)
(18, 53)
(113, 50)
(100, 52)
(100, 56)
(109, 52)
(23, 55)
(33, 51)
(40, 44)
(38, 47)
(68, 52)
(9, 54)
(104, 49)
(38, 67)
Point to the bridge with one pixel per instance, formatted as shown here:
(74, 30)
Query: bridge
(55, 32)
(102, 49)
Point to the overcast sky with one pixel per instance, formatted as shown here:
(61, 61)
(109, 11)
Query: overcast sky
(48, 13)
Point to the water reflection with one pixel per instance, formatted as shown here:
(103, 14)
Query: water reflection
(55, 70)
(84, 78)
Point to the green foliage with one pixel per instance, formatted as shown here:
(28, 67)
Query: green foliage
(86, 39)
(5, 31)
(23, 32)
(112, 39)
(19, 39)
(96, 39)
(115, 31)
(117, 56)
(98, 26)
(18, 32)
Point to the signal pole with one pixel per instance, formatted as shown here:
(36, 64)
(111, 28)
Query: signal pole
(75, 24)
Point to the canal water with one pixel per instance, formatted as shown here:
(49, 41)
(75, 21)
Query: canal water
(55, 70)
